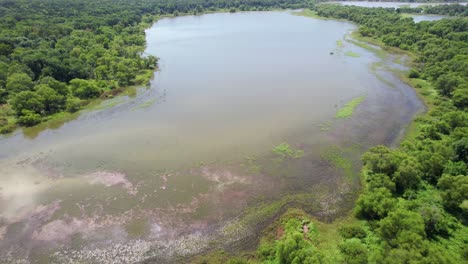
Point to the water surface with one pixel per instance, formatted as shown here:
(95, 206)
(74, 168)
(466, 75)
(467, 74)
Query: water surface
(172, 170)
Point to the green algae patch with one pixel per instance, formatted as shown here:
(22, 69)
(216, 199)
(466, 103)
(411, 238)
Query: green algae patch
(339, 44)
(287, 152)
(349, 108)
(352, 54)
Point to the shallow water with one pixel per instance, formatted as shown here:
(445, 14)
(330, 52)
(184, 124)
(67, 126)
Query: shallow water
(171, 171)
(419, 18)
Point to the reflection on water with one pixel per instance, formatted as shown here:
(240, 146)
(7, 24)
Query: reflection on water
(165, 172)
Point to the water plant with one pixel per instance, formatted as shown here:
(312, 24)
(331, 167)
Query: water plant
(352, 54)
(349, 108)
(286, 151)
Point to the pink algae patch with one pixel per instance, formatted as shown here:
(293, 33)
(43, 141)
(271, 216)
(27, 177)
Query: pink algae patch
(108, 179)
(59, 230)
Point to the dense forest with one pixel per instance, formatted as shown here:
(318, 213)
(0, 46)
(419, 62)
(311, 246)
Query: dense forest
(449, 10)
(57, 55)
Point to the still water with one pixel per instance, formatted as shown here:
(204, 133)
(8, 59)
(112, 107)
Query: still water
(176, 167)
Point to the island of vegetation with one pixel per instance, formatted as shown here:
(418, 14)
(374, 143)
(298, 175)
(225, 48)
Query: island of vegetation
(57, 56)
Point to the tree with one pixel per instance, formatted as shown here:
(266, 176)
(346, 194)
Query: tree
(60, 87)
(401, 226)
(454, 191)
(460, 98)
(29, 101)
(84, 89)
(29, 118)
(3, 96)
(408, 175)
(461, 150)
(72, 104)
(19, 82)
(381, 159)
(52, 101)
(354, 251)
(447, 83)
(375, 204)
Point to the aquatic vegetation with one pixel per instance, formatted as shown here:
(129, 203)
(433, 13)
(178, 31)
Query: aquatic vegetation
(252, 164)
(286, 151)
(325, 126)
(145, 104)
(349, 108)
(352, 54)
(339, 44)
(338, 159)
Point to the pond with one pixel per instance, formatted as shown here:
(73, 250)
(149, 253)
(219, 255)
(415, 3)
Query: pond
(249, 113)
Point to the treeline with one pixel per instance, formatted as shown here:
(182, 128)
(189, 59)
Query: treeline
(448, 10)
(56, 55)
(416, 197)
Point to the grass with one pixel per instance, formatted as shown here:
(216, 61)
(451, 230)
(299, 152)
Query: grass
(352, 54)
(349, 108)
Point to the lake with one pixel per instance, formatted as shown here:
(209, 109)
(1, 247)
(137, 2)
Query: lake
(239, 122)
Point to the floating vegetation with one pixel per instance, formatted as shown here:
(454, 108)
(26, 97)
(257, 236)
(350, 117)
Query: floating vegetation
(325, 126)
(339, 44)
(252, 164)
(285, 151)
(108, 105)
(339, 158)
(352, 54)
(348, 109)
(145, 104)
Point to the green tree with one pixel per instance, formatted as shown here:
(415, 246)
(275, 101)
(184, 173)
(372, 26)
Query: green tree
(29, 101)
(29, 118)
(460, 98)
(52, 101)
(354, 251)
(84, 89)
(447, 83)
(375, 204)
(454, 191)
(19, 82)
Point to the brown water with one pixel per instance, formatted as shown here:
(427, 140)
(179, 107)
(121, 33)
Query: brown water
(177, 169)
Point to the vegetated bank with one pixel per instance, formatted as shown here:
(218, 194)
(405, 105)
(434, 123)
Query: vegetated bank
(57, 56)
(414, 205)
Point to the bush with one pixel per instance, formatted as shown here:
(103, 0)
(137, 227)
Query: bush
(29, 118)
(352, 231)
(354, 251)
(413, 74)
(73, 104)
